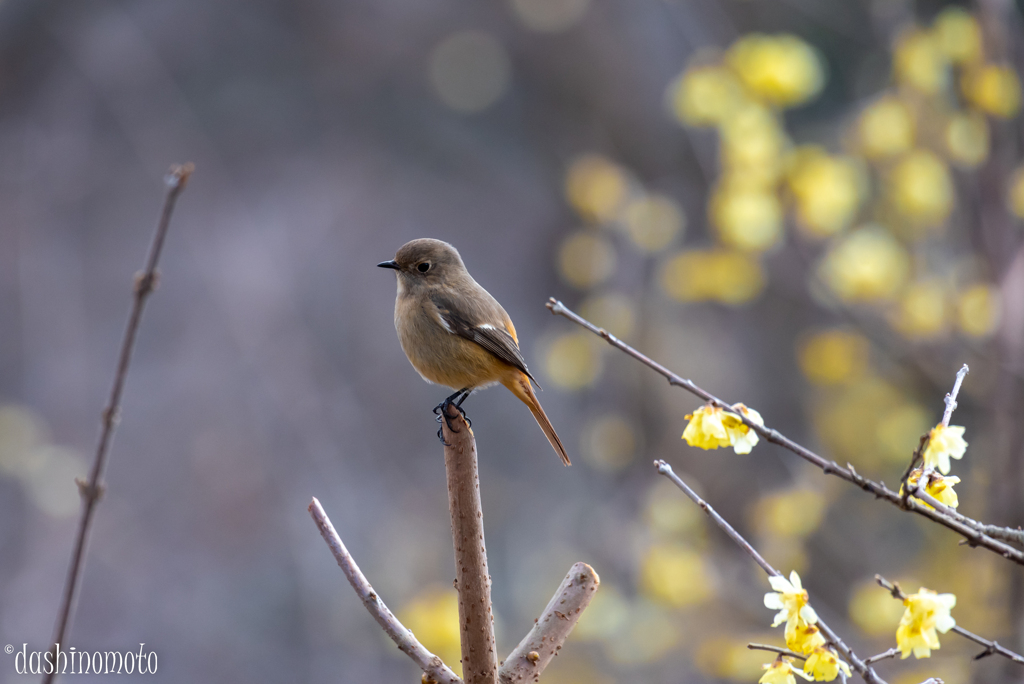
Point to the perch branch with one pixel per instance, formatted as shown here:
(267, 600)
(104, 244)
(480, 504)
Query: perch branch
(776, 649)
(91, 490)
(951, 397)
(974, 535)
(991, 647)
(476, 622)
(866, 671)
(431, 665)
(891, 653)
(551, 629)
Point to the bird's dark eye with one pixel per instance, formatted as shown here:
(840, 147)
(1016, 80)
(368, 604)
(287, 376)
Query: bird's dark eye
(423, 268)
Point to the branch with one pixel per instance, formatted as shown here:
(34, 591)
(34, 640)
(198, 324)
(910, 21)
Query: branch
(891, 653)
(433, 668)
(776, 649)
(991, 647)
(865, 670)
(551, 629)
(974, 536)
(951, 397)
(476, 623)
(91, 490)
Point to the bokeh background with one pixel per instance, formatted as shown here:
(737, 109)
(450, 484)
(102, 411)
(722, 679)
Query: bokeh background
(811, 206)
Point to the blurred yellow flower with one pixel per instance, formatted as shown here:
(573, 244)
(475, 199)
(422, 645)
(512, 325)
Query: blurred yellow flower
(586, 259)
(919, 62)
(921, 188)
(668, 513)
(885, 128)
(609, 443)
(676, 575)
(752, 145)
(596, 187)
(926, 612)
(867, 265)
(967, 139)
(653, 221)
(938, 487)
(705, 95)
(922, 311)
(832, 357)
(711, 427)
(978, 310)
(782, 70)
(993, 88)
(790, 599)
(804, 638)
(824, 666)
(1015, 196)
(572, 361)
(827, 190)
(944, 442)
(612, 311)
(746, 218)
(873, 610)
(717, 275)
(781, 672)
(433, 616)
(791, 512)
(958, 35)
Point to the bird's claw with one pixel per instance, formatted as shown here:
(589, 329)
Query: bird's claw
(441, 411)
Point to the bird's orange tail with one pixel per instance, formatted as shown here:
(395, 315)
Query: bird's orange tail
(519, 384)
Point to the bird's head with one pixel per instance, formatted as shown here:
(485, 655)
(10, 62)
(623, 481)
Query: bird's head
(425, 262)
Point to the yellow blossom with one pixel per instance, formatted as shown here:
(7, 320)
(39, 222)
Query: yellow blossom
(921, 188)
(922, 310)
(705, 95)
(919, 62)
(719, 275)
(711, 427)
(993, 88)
(885, 128)
(586, 259)
(958, 35)
(827, 190)
(653, 221)
(824, 666)
(944, 442)
(752, 143)
(978, 309)
(833, 357)
(747, 218)
(782, 70)
(781, 672)
(1015, 196)
(926, 612)
(967, 139)
(790, 599)
(867, 265)
(938, 487)
(804, 638)
(596, 187)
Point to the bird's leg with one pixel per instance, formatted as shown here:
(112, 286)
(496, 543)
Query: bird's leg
(441, 411)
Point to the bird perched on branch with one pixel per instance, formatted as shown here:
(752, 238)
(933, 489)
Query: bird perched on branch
(455, 333)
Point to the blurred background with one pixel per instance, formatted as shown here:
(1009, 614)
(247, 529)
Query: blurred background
(810, 206)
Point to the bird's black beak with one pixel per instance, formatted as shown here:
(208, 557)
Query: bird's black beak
(389, 264)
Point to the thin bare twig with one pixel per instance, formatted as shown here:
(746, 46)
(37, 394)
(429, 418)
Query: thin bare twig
(476, 622)
(91, 490)
(891, 653)
(431, 664)
(776, 649)
(991, 647)
(951, 397)
(552, 628)
(974, 536)
(866, 671)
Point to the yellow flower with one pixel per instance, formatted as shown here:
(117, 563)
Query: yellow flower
(824, 666)
(719, 275)
(921, 188)
(926, 612)
(1015, 196)
(752, 143)
(867, 265)
(711, 427)
(944, 442)
(993, 88)
(827, 190)
(938, 487)
(958, 35)
(653, 221)
(705, 95)
(967, 139)
(780, 672)
(781, 70)
(920, 63)
(747, 218)
(978, 310)
(790, 599)
(596, 187)
(885, 128)
(922, 311)
(833, 357)
(804, 638)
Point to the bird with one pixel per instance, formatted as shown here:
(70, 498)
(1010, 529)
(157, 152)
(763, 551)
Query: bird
(456, 334)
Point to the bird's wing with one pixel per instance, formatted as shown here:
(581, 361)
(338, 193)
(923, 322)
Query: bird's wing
(470, 324)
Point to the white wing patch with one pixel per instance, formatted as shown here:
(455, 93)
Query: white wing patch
(444, 323)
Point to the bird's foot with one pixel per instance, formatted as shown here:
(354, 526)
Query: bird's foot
(441, 411)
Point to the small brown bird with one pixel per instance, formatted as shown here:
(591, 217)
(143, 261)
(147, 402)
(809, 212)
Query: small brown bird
(455, 333)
